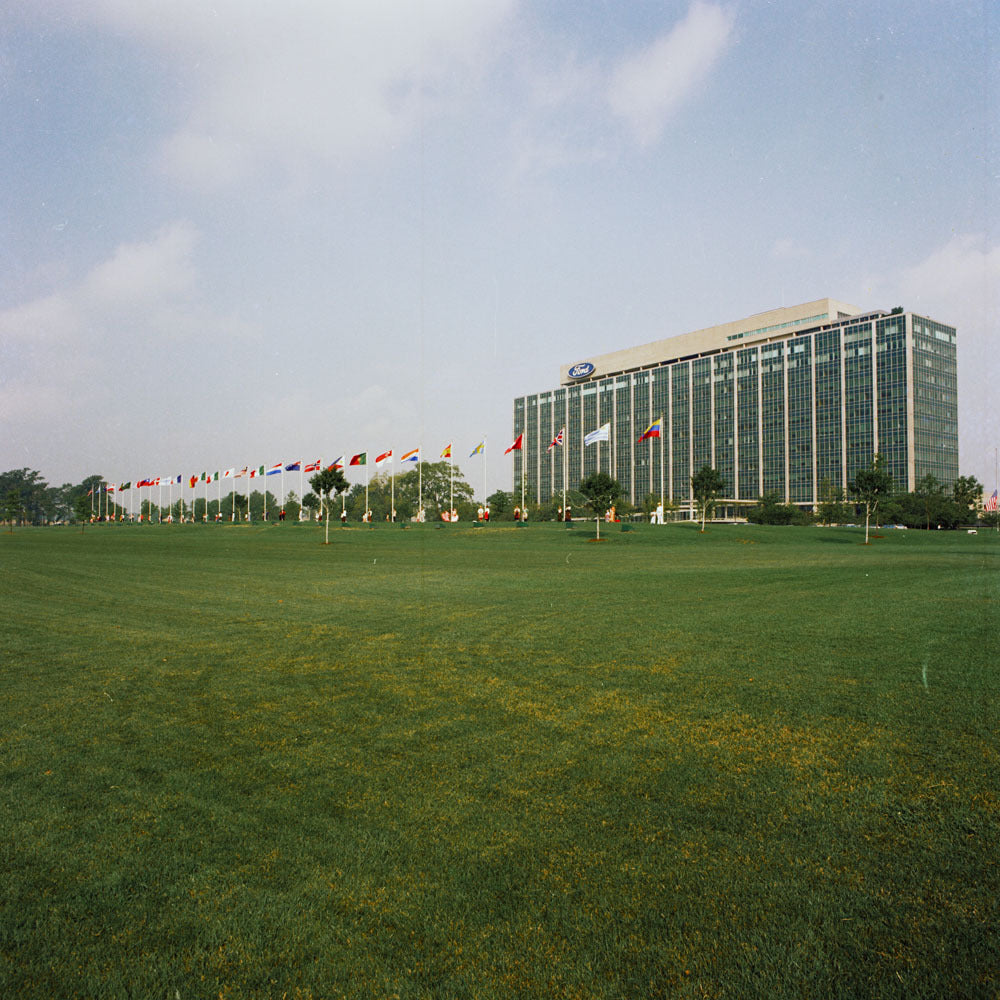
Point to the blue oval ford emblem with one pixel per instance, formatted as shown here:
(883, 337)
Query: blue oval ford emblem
(582, 370)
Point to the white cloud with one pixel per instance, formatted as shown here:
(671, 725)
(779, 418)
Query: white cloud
(962, 277)
(648, 86)
(325, 82)
(959, 284)
(143, 293)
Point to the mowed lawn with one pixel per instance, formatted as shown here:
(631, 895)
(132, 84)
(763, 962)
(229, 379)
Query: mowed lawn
(501, 762)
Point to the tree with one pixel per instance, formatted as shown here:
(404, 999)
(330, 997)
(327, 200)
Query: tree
(832, 509)
(81, 509)
(312, 503)
(770, 510)
(870, 486)
(601, 493)
(931, 497)
(292, 506)
(433, 482)
(12, 507)
(706, 485)
(967, 490)
(500, 503)
(325, 482)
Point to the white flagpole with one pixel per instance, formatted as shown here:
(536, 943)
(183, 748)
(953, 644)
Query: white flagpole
(484, 471)
(392, 491)
(367, 481)
(451, 481)
(420, 481)
(565, 452)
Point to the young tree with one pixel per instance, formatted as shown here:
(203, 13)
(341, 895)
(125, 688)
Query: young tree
(870, 486)
(706, 485)
(325, 482)
(601, 493)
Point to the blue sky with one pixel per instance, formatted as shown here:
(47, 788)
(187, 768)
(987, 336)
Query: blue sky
(244, 232)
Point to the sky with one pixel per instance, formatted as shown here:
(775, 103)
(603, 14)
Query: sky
(242, 232)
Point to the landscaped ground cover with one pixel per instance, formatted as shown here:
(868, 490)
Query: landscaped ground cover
(501, 762)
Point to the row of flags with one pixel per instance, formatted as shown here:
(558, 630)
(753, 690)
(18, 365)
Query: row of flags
(261, 471)
(603, 433)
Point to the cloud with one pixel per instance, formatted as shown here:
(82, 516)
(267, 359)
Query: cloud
(145, 293)
(646, 88)
(305, 81)
(962, 276)
(959, 284)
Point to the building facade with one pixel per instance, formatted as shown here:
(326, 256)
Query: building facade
(789, 402)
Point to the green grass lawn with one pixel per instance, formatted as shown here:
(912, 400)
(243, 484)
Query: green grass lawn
(500, 762)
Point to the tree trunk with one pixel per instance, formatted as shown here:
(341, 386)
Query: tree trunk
(867, 517)
(327, 542)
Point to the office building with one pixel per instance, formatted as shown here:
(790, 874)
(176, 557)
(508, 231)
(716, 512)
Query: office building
(789, 402)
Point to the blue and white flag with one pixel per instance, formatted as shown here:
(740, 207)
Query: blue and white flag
(603, 433)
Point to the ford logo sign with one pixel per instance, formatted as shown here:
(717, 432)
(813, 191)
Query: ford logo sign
(582, 370)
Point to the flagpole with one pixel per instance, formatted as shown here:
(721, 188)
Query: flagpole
(451, 495)
(663, 501)
(367, 481)
(484, 472)
(420, 483)
(565, 452)
(392, 491)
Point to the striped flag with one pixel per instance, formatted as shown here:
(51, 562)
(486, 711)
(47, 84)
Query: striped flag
(337, 463)
(603, 433)
(313, 466)
(447, 451)
(653, 430)
(411, 456)
(274, 470)
(991, 504)
(478, 450)
(228, 474)
(384, 457)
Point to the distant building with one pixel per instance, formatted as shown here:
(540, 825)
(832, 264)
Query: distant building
(786, 402)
